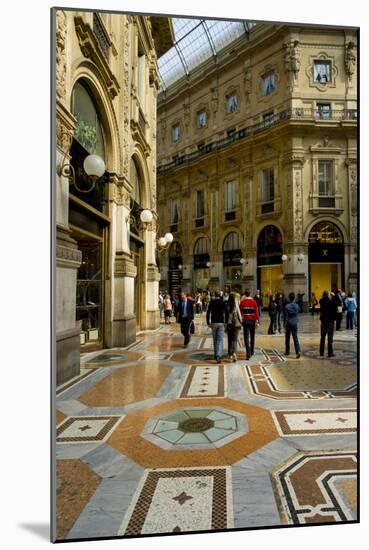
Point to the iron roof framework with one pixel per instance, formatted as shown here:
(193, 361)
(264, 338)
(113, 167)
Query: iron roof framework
(195, 41)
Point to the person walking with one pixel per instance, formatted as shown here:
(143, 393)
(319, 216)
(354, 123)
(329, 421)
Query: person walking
(292, 311)
(167, 309)
(314, 303)
(328, 315)
(339, 302)
(161, 304)
(250, 318)
(272, 315)
(185, 316)
(259, 301)
(351, 307)
(216, 318)
(233, 326)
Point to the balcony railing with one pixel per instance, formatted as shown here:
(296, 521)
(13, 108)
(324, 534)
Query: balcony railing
(309, 115)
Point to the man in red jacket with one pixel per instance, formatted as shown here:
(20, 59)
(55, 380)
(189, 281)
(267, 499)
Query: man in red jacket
(250, 316)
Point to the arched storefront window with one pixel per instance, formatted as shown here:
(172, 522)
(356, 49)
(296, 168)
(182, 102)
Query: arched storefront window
(200, 260)
(175, 267)
(326, 258)
(232, 255)
(88, 131)
(135, 179)
(269, 258)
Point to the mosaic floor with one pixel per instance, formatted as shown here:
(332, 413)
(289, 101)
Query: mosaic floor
(161, 439)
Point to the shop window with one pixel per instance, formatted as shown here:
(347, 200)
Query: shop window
(269, 83)
(322, 72)
(325, 232)
(202, 119)
(267, 191)
(326, 184)
(88, 299)
(232, 103)
(324, 111)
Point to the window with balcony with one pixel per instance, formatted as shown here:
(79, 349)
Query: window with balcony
(326, 184)
(268, 118)
(322, 72)
(267, 191)
(324, 111)
(200, 208)
(230, 200)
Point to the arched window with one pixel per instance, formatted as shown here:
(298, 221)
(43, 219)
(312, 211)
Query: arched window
(136, 181)
(269, 246)
(175, 250)
(88, 131)
(201, 246)
(232, 242)
(325, 232)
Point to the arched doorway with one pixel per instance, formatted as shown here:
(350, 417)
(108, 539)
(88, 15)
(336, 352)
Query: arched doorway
(269, 262)
(232, 255)
(88, 218)
(174, 271)
(201, 271)
(326, 258)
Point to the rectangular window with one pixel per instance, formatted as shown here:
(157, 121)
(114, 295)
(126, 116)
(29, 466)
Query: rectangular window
(269, 83)
(324, 111)
(175, 133)
(174, 211)
(267, 191)
(200, 204)
(322, 71)
(201, 119)
(230, 200)
(326, 187)
(232, 103)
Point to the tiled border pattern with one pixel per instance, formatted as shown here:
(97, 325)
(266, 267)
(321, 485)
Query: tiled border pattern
(285, 430)
(104, 433)
(219, 502)
(211, 372)
(304, 489)
(262, 384)
(75, 381)
(272, 355)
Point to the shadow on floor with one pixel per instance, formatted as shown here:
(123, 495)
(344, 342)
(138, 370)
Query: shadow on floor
(42, 530)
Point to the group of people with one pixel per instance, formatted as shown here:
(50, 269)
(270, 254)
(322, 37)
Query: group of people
(345, 305)
(232, 312)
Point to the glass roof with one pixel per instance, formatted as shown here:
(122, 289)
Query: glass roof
(195, 41)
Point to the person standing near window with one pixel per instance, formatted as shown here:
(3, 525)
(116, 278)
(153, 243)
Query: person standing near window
(216, 318)
(234, 325)
(250, 318)
(292, 311)
(185, 317)
(328, 315)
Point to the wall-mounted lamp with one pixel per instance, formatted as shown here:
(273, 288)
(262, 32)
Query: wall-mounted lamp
(93, 165)
(243, 261)
(209, 264)
(180, 267)
(284, 258)
(145, 220)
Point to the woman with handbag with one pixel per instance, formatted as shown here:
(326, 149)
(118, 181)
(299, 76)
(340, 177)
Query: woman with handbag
(233, 326)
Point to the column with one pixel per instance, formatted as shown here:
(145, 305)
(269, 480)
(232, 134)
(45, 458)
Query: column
(351, 247)
(152, 316)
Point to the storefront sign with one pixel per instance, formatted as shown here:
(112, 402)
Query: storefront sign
(326, 253)
(232, 258)
(200, 260)
(270, 255)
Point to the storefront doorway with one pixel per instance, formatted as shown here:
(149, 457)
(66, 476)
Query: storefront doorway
(326, 259)
(201, 260)
(269, 263)
(232, 268)
(137, 249)
(175, 268)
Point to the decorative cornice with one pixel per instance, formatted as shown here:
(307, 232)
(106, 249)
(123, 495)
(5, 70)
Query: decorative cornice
(65, 124)
(68, 257)
(153, 274)
(124, 266)
(91, 49)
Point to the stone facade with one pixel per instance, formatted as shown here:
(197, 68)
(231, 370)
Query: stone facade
(115, 57)
(287, 129)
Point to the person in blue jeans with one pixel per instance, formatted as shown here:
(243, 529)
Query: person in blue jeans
(216, 318)
(292, 311)
(351, 307)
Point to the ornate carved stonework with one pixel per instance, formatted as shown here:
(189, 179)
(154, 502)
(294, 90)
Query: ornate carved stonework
(214, 99)
(61, 65)
(353, 199)
(126, 95)
(298, 234)
(292, 61)
(124, 266)
(91, 49)
(247, 82)
(322, 86)
(350, 59)
(289, 204)
(67, 253)
(65, 124)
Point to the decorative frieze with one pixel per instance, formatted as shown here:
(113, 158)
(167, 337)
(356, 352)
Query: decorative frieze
(68, 257)
(64, 127)
(61, 64)
(124, 266)
(292, 62)
(153, 274)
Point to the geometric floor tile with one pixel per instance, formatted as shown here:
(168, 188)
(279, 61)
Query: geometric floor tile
(127, 385)
(76, 483)
(204, 381)
(317, 487)
(85, 429)
(195, 428)
(108, 358)
(174, 501)
(309, 422)
(132, 439)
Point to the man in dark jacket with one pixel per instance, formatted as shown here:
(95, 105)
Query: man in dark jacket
(185, 316)
(216, 318)
(291, 312)
(337, 298)
(328, 315)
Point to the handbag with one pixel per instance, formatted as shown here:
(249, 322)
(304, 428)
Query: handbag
(192, 327)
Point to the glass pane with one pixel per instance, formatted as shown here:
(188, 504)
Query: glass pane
(88, 130)
(322, 71)
(88, 298)
(325, 232)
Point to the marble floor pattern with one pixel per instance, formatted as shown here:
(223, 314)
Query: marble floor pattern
(158, 438)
